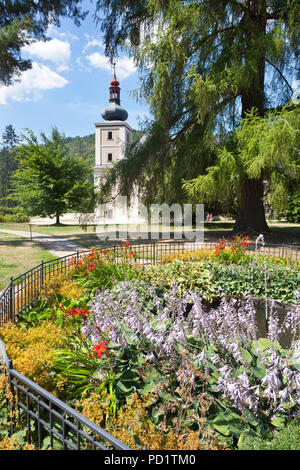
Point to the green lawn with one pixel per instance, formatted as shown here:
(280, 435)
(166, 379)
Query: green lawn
(48, 229)
(17, 254)
(87, 237)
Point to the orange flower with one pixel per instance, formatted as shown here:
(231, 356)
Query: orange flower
(76, 312)
(99, 349)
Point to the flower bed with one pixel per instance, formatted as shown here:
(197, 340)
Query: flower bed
(143, 354)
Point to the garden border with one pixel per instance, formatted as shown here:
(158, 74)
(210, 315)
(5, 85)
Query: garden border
(24, 392)
(26, 288)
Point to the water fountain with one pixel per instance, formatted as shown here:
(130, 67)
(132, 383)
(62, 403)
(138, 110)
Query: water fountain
(260, 239)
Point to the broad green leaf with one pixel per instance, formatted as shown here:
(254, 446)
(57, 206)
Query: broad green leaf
(222, 428)
(246, 355)
(278, 421)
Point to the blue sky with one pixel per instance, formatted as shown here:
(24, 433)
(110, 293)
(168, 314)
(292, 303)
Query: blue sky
(67, 86)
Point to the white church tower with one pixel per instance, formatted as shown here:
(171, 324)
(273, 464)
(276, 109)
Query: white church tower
(112, 137)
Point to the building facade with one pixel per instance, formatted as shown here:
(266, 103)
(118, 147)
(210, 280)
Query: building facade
(113, 136)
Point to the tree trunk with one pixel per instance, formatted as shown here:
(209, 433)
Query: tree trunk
(57, 219)
(251, 213)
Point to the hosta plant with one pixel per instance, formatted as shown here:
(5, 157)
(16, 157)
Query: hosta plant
(251, 384)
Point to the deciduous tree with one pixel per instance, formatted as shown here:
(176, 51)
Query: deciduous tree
(49, 182)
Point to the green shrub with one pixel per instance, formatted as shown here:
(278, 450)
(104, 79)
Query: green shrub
(188, 276)
(214, 279)
(19, 217)
(282, 283)
(286, 439)
(105, 275)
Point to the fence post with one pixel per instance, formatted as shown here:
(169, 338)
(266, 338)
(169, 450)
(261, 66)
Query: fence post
(10, 399)
(11, 300)
(42, 273)
(154, 253)
(283, 250)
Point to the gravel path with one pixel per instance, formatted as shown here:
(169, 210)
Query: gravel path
(55, 245)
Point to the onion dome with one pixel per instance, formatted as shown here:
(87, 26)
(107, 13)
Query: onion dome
(114, 111)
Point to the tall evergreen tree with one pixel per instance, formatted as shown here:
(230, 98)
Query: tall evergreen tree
(8, 165)
(204, 65)
(267, 145)
(9, 136)
(23, 21)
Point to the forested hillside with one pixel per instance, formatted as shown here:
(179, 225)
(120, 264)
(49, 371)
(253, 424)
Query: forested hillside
(84, 147)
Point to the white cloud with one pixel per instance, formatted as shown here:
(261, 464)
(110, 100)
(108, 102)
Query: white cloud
(62, 68)
(68, 35)
(53, 31)
(82, 66)
(33, 82)
(99, 61)
(92, 43)
(124, 68)
(55, 50)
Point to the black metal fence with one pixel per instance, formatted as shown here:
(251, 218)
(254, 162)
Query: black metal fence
(26, 288)
(42, 411)
(50, 422)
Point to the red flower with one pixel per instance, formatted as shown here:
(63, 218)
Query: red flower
(76, 312)
(130, 253)
(99, 349)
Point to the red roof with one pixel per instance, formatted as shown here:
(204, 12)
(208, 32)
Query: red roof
(114, 81)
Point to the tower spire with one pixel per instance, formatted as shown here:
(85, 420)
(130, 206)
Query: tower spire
(114, 111)
(114, 89)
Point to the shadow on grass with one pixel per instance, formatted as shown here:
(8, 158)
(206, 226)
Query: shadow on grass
(15, 242)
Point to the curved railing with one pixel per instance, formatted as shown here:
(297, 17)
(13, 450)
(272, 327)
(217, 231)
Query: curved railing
(22, 290)
(48, 417)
